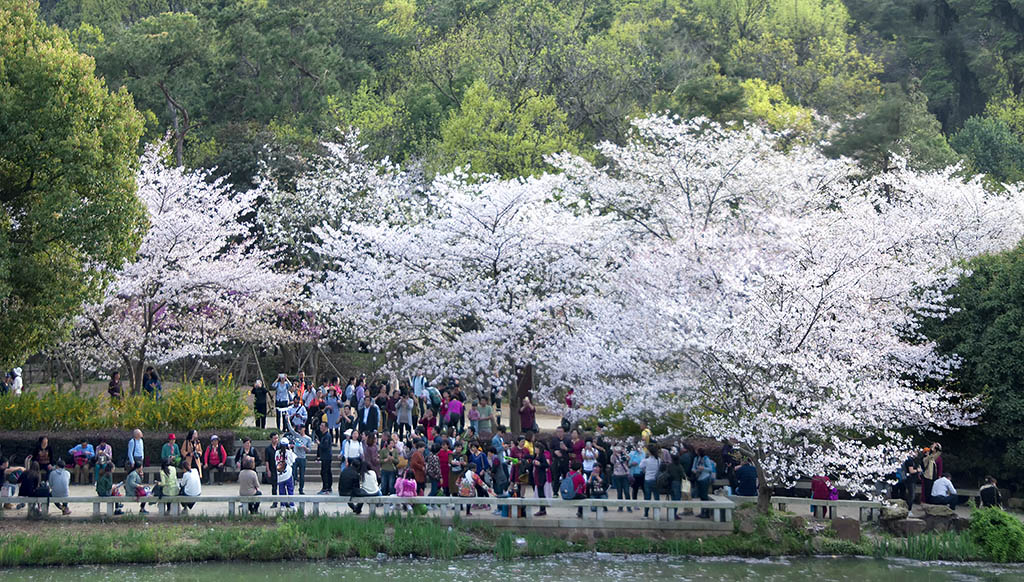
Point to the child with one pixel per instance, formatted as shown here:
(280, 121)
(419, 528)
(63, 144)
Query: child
(474, 417)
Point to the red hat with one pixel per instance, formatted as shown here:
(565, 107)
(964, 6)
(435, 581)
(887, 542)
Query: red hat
(170, 437)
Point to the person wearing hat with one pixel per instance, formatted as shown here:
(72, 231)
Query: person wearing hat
(214, 458)
(285, 460)
(171, 452)
(16, 382)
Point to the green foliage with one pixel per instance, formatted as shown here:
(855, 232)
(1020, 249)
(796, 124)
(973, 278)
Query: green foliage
(935, 546)
(897, 124)
(999, 534)
(984, 330)
(492, 135)
(67, 190)
(198, 406)
(991, 147)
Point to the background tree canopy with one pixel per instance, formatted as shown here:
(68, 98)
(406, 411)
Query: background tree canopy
(242, 87)
(67, 185)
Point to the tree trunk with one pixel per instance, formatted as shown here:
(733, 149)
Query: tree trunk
(764, 492)
(523, 388)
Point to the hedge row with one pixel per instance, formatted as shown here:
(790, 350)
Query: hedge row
(199, 405)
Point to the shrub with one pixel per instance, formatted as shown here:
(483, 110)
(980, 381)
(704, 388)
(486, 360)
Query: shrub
(199, 405)
(1000, 535)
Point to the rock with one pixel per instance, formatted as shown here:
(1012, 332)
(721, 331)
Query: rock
(962, 523)
(937, 510)
(797, 522)
(745, 519)
(906, 527)
(846, 528)
(893, 511)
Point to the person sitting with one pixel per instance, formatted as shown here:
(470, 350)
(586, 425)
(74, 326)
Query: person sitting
(170, 452)
(249, 482)
(746, 479)
(214, 458)
(105, 485)
(191, 483)
(168, 483)
(989, 493)
(59, 481)
(943, 492)
(133, 486)
(349, 484)
(82, 454)
(244, 451)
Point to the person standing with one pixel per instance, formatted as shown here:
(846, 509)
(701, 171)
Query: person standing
(270, 464)
(746, 479)
(151, 384)
(649, 468)
(620, 474)
(528, 415)
(325, 452)
(297, 414)
(136, 450)
(931, 470)
(911, 475)
(704, 472)
(192, 449)
(259, 403)
(16, 382)
(369, 416)
(282, 388)
(387, 461)
(285, 460)
(332, 408)
(351, 448)
(404, 410)
(302, 445)
(114, 386)
(418, 464)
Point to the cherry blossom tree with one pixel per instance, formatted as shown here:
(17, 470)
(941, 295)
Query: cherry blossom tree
(195, 284)
(768, 298)
(477, 284)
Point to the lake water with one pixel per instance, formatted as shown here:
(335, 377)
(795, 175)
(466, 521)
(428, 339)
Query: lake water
(592, 568)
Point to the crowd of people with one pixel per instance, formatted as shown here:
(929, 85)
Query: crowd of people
(422, 439)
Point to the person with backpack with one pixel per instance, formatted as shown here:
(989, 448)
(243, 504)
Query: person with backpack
(574, 486)
(649, 468)
(704, 471)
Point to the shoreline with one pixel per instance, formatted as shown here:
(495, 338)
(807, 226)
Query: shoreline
(296, 537)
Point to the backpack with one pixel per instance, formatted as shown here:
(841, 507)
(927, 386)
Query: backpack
(435, 396)
(566, 489)
(663, 482)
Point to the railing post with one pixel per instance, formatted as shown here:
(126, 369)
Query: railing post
(316, 508)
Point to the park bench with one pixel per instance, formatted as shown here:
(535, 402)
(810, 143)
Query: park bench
(720, 507)
(864, 507)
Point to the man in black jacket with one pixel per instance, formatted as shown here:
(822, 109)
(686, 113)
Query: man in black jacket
(324, 452)
(369, 417)
(348, 484)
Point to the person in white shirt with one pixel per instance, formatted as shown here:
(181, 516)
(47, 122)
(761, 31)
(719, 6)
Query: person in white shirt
(351, 448)
(285, 459)
(16, 383)
(191, 483)
(943, 492)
